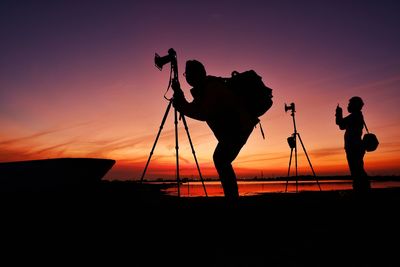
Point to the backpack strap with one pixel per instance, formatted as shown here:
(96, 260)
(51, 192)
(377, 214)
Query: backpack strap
(261, 129)
(365, 125)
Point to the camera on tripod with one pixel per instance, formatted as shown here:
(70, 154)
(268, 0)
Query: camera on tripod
(291, 141)
(169, 58)
(160, 62)
(290, 107)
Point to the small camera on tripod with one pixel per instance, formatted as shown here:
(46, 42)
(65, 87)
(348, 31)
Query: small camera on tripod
(169, 58)
(290, 107)
(291, 141)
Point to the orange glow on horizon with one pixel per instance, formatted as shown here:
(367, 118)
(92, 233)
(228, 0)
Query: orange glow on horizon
(259, 158)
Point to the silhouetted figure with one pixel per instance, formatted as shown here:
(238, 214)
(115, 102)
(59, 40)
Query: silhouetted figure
(353, 124)
(230, 122)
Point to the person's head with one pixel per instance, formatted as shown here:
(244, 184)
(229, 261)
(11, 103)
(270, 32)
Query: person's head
(195, 73)
(355, 104)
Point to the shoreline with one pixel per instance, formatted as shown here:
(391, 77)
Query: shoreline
(290, 178)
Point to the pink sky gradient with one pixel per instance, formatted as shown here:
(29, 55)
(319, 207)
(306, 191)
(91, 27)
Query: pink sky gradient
(78, 80)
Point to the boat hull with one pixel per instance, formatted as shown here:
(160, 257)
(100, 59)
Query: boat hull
(53, 173)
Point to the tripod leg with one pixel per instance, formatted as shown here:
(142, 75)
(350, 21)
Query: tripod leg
(295, 160)
(288, 172)
(193, 152)
(155, 142)
(305, 152)
(177, 151)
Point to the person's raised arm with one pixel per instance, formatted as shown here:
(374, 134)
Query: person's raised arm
(340, 121)
(194, 110)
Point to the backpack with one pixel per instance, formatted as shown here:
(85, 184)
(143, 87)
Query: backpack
(251, 90)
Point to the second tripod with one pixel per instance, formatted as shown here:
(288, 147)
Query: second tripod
(292, 141)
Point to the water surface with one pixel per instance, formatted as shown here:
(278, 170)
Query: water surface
(248, 188)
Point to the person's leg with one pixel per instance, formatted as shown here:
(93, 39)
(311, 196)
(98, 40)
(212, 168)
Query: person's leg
(224, 154)
(364, 183)
(356, 166)
(229, 183)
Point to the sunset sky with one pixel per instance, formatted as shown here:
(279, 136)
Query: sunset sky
(77, 79)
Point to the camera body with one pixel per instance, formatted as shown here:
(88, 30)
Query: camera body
(290, 107)
(291, 141)
(169, 58)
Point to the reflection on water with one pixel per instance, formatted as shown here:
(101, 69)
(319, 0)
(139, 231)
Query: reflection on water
(248, 188)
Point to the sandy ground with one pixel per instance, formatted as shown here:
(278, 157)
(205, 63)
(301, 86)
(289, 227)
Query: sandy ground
(131, 225)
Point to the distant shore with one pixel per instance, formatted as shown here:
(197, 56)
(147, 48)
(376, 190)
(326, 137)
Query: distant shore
(280, 178)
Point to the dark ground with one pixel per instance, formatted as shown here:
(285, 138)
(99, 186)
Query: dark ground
(122, 223)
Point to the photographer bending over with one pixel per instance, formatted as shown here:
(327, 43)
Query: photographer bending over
(230, 122)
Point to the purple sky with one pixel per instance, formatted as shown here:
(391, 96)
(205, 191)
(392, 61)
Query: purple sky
(77, 78)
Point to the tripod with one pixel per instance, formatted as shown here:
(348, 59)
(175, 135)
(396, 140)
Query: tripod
(292, 141)
(160, 61)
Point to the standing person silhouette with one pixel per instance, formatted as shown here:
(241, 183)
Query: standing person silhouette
(230, 122)
(353, 124)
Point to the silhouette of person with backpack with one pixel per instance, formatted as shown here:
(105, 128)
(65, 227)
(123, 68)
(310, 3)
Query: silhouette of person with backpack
(226, 116)
(355, 151)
